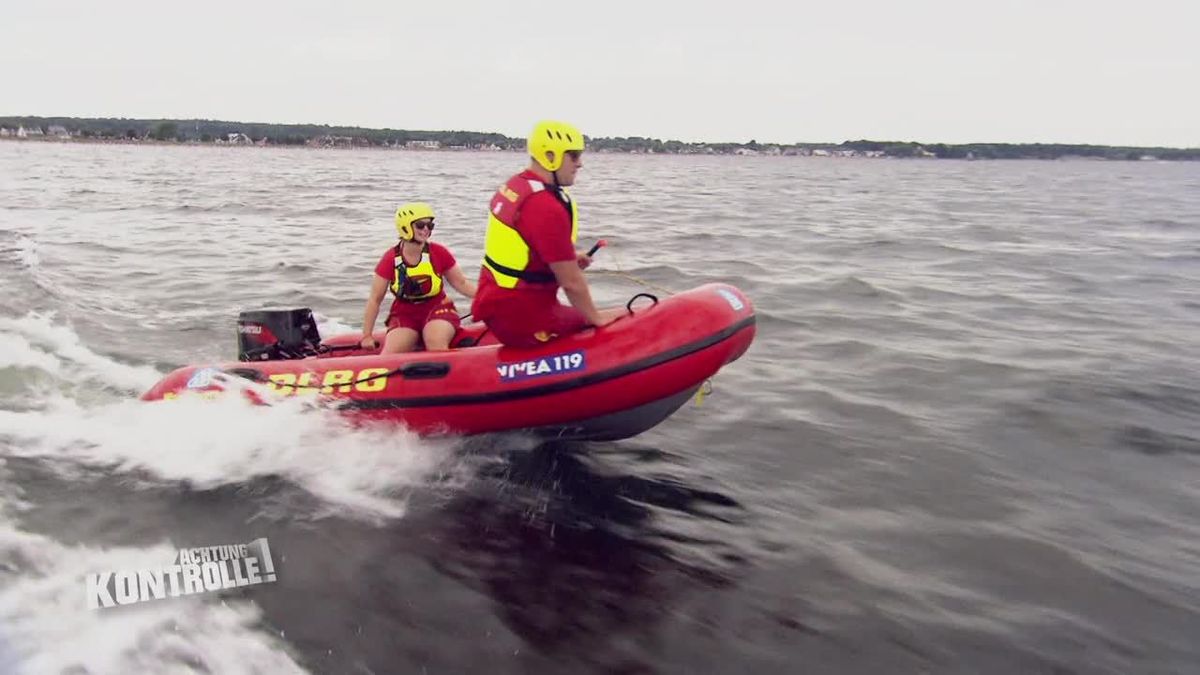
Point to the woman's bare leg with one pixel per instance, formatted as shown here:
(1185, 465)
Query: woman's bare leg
(400, 340)
(438, 334)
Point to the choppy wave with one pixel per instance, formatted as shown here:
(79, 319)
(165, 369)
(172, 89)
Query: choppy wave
(203, 444)
(196, 442)
(37, 340)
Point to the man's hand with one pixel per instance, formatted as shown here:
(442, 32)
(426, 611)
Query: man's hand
(601, 319)
(604, 317)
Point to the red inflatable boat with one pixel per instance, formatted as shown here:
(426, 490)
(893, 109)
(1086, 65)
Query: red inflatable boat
(607, 383)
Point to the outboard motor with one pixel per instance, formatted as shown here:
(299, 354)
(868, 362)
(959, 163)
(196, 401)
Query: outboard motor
(274, 335)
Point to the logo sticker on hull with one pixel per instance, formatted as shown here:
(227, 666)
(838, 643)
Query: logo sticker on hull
(547, 365)
(202, 378)
(734, 301)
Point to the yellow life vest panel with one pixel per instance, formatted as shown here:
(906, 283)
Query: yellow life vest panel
(505, 252)
(415, 283)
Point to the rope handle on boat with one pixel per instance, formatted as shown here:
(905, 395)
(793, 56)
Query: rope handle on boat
(255, 375)
(325, 349)
(258, 376)
(629, 305)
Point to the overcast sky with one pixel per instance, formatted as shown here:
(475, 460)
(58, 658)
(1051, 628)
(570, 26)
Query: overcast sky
(1104, 72)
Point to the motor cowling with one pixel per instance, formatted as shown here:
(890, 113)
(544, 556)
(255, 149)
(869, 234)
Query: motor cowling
(275, 335)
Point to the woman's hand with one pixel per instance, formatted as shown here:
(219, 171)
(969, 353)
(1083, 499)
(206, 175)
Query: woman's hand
(583, 259)
(459, 281)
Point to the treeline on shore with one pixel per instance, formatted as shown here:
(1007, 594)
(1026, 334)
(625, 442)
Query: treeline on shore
(320, 135)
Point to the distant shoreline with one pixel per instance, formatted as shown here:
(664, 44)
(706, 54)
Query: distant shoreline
(151, 142)
(195, 132)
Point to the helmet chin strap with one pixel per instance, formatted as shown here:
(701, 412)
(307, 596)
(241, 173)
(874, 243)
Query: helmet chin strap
(554, 173)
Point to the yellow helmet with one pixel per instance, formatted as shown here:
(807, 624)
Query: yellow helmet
(407, 213)
(556, 137)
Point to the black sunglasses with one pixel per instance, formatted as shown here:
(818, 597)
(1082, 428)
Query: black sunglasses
(423, 226)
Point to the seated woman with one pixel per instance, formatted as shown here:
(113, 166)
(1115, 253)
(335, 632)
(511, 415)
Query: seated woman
(414, 270)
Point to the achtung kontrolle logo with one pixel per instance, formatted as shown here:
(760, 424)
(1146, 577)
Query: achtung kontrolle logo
(196, 570)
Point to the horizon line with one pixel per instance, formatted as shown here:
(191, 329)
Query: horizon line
(651, 138)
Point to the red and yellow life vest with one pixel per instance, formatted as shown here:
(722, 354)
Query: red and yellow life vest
(415, 283)
(505, 252)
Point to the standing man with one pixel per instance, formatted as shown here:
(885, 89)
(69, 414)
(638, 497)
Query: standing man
(529, 251)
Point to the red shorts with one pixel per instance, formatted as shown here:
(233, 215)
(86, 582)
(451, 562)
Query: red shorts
(530, 325)
(415, 315)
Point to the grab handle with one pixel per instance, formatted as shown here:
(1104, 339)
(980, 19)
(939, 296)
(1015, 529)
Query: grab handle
(629, 305)
(425, 370)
